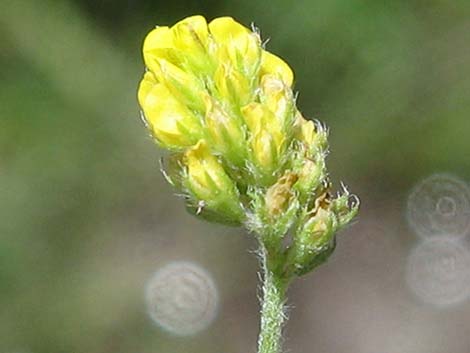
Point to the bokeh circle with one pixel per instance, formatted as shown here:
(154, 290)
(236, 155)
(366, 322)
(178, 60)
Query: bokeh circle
(182, 298)
(438, 271)
(440, 205)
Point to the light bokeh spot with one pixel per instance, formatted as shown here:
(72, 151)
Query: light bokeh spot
(438, 205)
(182, 298)
(438, 271)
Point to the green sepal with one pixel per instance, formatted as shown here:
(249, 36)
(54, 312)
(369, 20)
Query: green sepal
(205, 213)
(345, 206)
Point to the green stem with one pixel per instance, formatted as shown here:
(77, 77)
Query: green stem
(272, 308)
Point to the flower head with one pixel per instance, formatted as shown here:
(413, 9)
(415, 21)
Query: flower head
(192, 61)
(241, 152)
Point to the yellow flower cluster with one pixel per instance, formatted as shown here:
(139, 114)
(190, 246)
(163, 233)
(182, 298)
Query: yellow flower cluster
(224, 108)
(203, 82)
(212, 92)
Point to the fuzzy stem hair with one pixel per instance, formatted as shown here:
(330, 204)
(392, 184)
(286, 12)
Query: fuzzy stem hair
(272, 307)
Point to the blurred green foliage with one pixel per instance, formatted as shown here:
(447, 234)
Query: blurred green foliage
(79, 179)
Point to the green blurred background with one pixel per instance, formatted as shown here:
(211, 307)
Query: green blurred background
(86, 217)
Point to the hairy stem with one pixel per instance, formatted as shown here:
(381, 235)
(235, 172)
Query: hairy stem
(272, 308)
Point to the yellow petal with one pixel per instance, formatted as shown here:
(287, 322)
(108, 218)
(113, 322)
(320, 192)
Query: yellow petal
(159, 44)
(264, 150)
(272, 64)
(207, 181)
(307, 131)
(232, 85)
(169, 73)
(257, 116)
(267, 139)
(160, 37)
(172, 124)
(313, 137)
(277, 96)
(237, 44)
(226, 29)
(253, 114)
(146, 86)
(196, 159)
(206, 175)
(226, 132)
(191, 33)
(202, 165)
(183, 85)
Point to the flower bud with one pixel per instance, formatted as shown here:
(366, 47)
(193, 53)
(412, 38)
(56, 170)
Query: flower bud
(311, 173)
(210, 187)
(268, 142)
(278, 98)
(273, 210)
(265, 152)
(313, 242)
(226, 133)
(345, 206)
(171, 123)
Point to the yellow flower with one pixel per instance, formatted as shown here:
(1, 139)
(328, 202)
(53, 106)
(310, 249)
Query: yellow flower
(209, 184)
(177, 57)
(278, 98)
(265, 151)
(215, 82)
(226, 134)
(172, 124)
(184, 45)
(267, 137)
